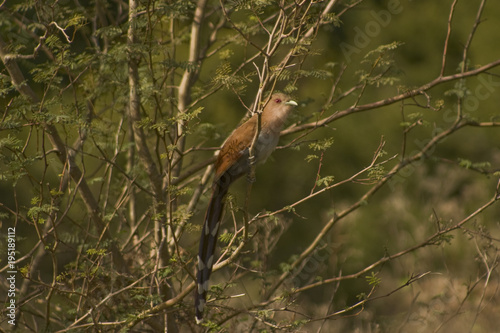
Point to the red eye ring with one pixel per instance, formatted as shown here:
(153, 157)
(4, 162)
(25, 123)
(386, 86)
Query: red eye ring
(277, 100)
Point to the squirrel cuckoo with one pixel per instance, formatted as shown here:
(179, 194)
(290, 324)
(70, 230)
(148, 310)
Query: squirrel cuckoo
(233, 162)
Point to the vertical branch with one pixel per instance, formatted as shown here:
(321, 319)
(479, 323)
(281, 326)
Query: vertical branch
(447, 40)
(134, 107)
(471, 35)
(264, 75)
(145, 156)
(184, 98)
(464, 67)
(188, 78)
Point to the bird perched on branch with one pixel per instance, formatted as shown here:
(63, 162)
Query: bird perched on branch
(233, 161)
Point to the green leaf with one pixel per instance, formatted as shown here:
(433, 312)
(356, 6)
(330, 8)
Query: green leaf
(383, 49)
(226, 237)
(325, 181)
(310, 158)
(377, 172)
(321, 145)
(97, 252)
(373, 280)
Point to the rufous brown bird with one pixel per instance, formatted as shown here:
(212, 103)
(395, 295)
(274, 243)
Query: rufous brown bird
(232, 163)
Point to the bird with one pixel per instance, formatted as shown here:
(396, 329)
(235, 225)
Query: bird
(231, 163)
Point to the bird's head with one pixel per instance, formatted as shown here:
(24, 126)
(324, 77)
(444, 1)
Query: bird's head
(279, 106)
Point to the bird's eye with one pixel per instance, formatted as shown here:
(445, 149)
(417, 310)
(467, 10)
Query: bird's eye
(277, 100)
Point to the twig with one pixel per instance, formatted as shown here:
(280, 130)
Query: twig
(447, 40)
(391, 100)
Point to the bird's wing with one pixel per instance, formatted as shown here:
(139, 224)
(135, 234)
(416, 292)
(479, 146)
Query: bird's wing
(235, 146)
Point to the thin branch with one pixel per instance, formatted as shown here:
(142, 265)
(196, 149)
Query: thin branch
(471, 35)
(447, 39)
(391, 100)
(430, 240)
(422, 153)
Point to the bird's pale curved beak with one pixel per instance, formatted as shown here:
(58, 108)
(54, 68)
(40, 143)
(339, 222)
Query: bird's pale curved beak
(293, 103)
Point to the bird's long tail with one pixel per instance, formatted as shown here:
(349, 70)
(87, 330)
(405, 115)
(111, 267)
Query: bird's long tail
(208, 240)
